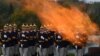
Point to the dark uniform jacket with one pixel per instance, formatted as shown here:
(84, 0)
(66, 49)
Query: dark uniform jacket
(32, 38)
(51, 37)
(43, 39)
(60, 42)
(15, 37)
(23, 39)
(6, 39)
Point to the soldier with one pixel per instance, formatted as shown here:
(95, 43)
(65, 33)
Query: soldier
(32, 40)
(80, 48)
(23, 41)
(43, 42)
(60, 45)
(11, 41)
(15, 36)
(65, 45)
(5, 42)
(51, 43)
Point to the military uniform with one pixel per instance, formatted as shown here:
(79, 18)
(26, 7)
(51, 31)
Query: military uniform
(15, 36)
(6, 42)
(23, 42)
(32, 40)
(43, 43)
(51, 43)
(10, 32)
(60, 46)
(80, 48)
(65, 46)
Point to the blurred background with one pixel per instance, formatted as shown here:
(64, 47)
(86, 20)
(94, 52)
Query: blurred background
(12, 13)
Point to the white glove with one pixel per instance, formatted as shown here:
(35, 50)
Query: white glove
(21, 45)
(42, 37)
(5, 36)
(3, 45)
(59, 37)
(57, 46)
(23, 35)
(40, 46)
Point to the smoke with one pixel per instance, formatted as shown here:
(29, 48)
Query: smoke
(71, 23)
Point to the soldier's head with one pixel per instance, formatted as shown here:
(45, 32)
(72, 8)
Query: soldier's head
(10, 27)
(34, 26)
(23, 27)
(30, 27)
(27, 27)
(14, 26)
(5, 28)
(45, 29)
(42, 28)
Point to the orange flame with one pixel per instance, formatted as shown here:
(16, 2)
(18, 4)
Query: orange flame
(71, 23)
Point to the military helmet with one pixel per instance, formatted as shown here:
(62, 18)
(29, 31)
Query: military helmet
(5, 26)
(23, 25)
(34, 25)
(41, 27)
(30, 25)
(14, 25)
(10, 25)
(26, 25)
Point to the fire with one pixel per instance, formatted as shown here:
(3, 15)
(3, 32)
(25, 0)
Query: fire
(71, 23)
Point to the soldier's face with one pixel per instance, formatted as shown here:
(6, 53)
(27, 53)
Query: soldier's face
(41, 29)
(31, 28)
(10, 28)
(15, 27)
(5, 29)
(23, 28)
(27, 28)
(34, 27)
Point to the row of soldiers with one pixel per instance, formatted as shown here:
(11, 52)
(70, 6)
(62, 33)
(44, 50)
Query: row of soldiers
(29, 41)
